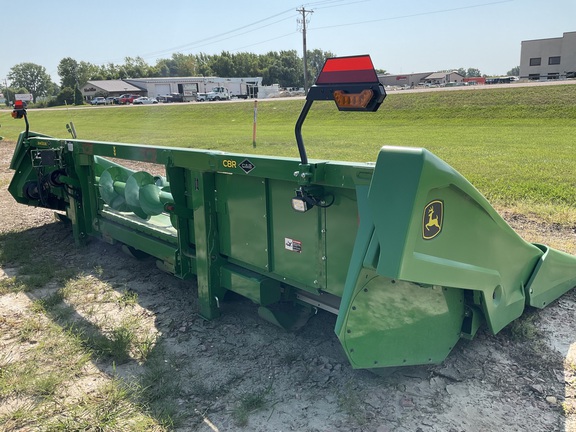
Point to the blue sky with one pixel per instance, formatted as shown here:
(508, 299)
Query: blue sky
(401, 36)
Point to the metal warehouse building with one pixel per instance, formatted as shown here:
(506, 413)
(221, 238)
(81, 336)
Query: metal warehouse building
(186, 86)
(189, 86)
(415, 79)
(403, 80)
(546, 59)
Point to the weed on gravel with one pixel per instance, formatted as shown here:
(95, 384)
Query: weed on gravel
(60, 352)
(250, 403)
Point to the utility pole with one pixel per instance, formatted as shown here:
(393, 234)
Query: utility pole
(7, 95)
(304, 13)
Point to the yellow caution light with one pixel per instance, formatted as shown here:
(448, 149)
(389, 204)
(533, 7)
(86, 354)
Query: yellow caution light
(353, 100)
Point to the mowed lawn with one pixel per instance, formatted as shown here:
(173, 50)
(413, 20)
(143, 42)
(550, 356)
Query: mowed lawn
(517, 145)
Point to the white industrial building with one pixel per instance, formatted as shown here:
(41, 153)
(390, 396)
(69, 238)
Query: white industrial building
(547, 59)
(186, 86)
(190, 86)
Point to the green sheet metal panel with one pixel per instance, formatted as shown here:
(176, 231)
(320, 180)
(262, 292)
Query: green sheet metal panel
(397, 323)
(473, 247)
(553, 276)
(341, 228)
(254, 286)
(298, 239)
(242, 218)
(158, 248)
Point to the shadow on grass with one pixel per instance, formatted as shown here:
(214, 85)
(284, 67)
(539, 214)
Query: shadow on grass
(45, 265)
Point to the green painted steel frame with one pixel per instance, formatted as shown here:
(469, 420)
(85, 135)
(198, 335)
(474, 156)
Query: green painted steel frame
(415, 255)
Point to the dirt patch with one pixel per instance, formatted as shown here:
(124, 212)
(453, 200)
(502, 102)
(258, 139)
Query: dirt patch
(519, 380)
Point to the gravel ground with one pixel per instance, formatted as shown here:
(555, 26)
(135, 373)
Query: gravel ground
(514, 381)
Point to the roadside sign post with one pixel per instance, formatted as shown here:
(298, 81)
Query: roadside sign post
(254, 125)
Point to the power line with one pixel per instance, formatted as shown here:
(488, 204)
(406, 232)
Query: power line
(263, 42)
(212, 39)
(337, 3)
(198, 45)
(412, 15)
(303, 13)
(318, 4)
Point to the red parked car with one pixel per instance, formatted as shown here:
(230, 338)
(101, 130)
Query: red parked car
(127, 99)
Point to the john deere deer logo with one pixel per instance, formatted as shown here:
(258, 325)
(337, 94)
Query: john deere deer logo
(432, 219)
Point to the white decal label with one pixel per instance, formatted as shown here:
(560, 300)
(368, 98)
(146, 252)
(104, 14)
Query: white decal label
(292, 245)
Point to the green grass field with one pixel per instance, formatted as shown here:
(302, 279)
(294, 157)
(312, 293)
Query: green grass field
(516, 145)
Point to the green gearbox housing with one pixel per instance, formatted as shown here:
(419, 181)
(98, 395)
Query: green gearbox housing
(406, 252)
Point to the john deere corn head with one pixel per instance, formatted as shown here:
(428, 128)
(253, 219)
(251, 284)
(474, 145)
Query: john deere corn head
(407, 253)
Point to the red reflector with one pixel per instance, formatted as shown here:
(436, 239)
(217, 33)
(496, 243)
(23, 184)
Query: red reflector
(341, 70)
(18, 104)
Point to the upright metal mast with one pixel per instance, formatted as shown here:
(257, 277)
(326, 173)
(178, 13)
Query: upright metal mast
(304, 13)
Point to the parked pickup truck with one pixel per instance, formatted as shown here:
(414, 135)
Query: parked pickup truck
(127, 99)
(174, 97)
(218, 93)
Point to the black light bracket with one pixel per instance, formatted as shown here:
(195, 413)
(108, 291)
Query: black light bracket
(352, 83)
(20, 112)
(310, 196)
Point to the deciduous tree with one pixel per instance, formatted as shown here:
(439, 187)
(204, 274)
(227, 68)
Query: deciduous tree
(473, 72)
(515, 71)
(316, 59)
(75, 74)
(31, 76)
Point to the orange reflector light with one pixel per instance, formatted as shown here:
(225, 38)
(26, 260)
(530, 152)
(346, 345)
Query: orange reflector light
(353, 100)
(18, 113)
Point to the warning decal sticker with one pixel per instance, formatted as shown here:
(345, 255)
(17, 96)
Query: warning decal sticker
(293, 245)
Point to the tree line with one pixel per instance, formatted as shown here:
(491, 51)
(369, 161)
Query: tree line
(284, 68)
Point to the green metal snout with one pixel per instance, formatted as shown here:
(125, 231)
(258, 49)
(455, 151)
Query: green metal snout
(431, 258)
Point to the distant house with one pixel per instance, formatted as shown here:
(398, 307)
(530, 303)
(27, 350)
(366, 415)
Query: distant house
(549, 59)
(415, 79)
(443, 78)
(108, 88)
(403, 80)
